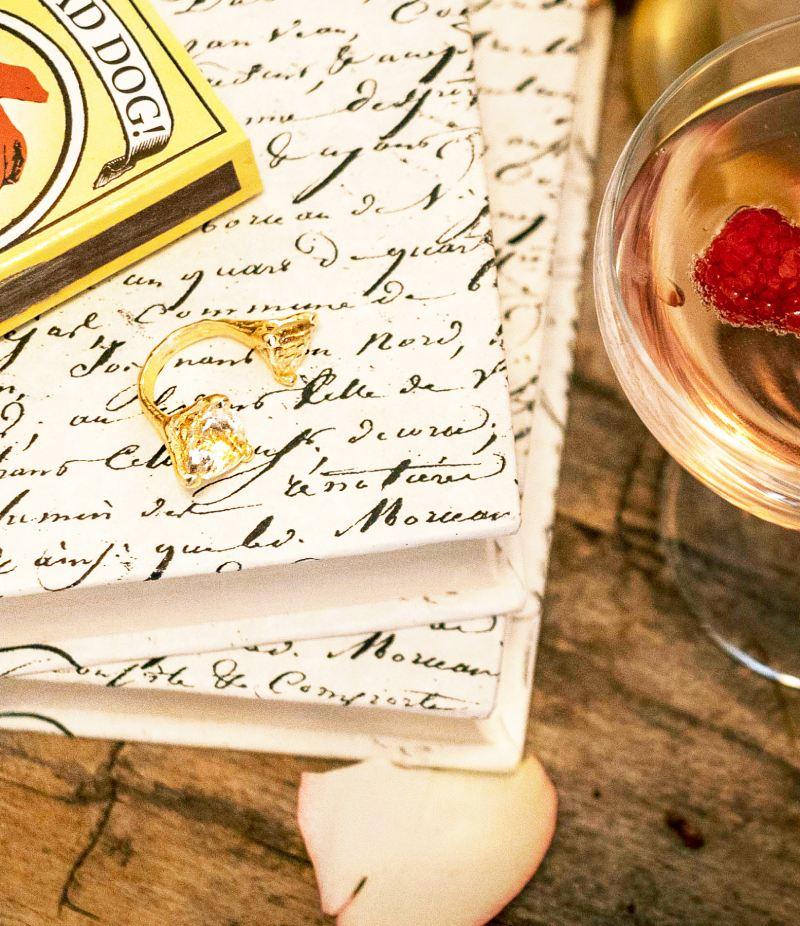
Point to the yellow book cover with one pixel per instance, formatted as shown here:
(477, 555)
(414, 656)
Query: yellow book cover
(111, 145)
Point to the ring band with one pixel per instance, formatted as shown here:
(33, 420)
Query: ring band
(206, 440)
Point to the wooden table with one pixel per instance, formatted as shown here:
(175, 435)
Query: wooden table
(679, 773)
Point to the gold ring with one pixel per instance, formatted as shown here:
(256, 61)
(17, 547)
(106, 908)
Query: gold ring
(206, 440)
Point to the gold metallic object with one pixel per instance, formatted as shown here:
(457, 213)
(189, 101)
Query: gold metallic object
(666, 37)
(206, 440)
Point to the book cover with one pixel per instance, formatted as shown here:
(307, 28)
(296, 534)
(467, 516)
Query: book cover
(398, 434)
(113, 144)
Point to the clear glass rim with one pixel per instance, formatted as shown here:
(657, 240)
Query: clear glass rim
(780, 476)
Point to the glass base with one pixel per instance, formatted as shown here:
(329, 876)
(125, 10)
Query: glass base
(738, 573)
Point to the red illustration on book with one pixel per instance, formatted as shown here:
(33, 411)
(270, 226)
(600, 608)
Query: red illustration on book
(16, 83)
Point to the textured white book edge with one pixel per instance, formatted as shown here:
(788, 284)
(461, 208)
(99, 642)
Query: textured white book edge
(453, 582)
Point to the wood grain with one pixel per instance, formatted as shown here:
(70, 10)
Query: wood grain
(678, 772)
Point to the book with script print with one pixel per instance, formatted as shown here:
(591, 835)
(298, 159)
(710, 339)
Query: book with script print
(450, 692)
(382, 478)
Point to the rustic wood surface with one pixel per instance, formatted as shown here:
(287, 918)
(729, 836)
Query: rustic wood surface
(678, 772)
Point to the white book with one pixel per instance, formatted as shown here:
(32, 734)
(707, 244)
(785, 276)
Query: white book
(383, 480)
(526, 54)
(442, 694)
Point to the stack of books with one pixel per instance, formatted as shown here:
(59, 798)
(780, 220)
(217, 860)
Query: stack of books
(371, 582)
